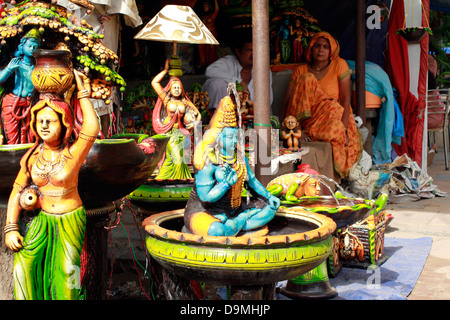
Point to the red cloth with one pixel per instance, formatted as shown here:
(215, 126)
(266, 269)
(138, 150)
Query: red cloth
(16, 119)
(397, 67)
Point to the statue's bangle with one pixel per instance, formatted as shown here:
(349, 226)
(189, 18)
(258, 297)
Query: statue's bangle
(18, 186)
(84, 136)
(83, 94)
(11, 227)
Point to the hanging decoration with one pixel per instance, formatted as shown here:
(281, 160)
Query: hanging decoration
(415, 33)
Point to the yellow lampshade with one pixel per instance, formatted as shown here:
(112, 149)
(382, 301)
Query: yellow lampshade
(178, 24)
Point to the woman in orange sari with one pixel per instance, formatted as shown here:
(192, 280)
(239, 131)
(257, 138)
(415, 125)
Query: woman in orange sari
(318, 95)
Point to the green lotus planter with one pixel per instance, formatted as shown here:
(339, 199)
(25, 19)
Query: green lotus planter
(295, 244)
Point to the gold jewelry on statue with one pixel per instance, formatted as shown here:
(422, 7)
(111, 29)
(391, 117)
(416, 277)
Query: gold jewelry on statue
(84, 136)
(44, 168)
(236, 189)
(58, 193)
(11, 227)
(225, 115)
(83, 94)
(18, 186)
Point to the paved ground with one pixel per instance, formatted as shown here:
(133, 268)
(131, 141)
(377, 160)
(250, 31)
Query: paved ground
(423, 218)
(428, 218)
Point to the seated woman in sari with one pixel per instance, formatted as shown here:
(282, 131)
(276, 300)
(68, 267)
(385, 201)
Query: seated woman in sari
(318, 95)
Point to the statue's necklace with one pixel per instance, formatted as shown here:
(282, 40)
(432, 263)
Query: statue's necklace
(236, 189)
(45, 168)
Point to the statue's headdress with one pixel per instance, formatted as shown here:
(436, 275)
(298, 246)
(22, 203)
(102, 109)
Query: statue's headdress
(224, 116)
(33, 33)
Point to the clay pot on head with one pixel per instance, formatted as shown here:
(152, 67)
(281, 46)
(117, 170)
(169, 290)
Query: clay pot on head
(52, 72)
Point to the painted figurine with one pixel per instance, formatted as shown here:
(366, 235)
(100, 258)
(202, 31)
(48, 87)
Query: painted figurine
(16, 105)
(297, 47)
(48, 254)
(284, 42)
(173, 114)
(292, 133)
(129, 128)
(207, 52)
(292, 186)
(215, 206)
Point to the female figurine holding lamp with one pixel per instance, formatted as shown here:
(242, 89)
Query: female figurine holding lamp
(174, 114)
(46, 257)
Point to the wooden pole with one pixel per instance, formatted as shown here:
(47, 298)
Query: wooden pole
(360, 61)
(261, 79)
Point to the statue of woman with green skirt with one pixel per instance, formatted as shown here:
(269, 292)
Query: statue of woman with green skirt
(174, 115)
(47, 255)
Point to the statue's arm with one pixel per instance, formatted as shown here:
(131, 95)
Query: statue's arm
(9, 69)
(208, 188)
(91, 126)
(254, 184)
(13, 239)
(257, 187)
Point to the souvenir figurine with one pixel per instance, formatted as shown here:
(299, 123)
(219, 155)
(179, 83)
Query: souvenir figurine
(292, 186)
(48, 254)
(16, 105)
(215, 206)
(172, 115)
(129, 128)
(292, 133)
(207, 53)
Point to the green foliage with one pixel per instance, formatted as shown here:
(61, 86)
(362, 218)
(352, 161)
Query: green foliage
(443, 78)
(441, 27)
(137, 93)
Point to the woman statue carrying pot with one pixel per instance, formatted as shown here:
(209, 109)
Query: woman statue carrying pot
(48, 254)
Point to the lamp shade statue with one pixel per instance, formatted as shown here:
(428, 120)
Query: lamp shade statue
(174, 114)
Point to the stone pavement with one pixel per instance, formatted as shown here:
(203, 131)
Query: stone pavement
(428, 218)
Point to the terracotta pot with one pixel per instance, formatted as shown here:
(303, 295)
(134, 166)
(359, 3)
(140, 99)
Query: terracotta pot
(52, 73)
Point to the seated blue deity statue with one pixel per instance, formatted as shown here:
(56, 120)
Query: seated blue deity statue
(215, 206)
